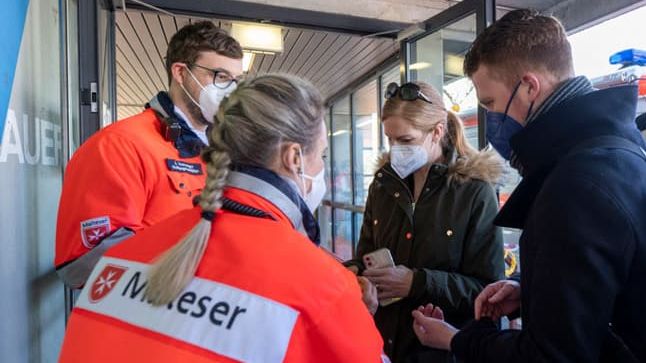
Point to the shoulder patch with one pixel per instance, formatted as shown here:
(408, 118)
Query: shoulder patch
(184, 167)
(94, 230)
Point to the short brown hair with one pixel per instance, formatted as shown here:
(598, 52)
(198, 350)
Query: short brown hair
(519, 41)
(185, 46)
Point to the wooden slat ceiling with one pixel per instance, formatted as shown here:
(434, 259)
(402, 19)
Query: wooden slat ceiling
(331, 61)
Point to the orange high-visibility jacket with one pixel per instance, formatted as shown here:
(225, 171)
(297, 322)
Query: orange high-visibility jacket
(262, 293)
(126, 175)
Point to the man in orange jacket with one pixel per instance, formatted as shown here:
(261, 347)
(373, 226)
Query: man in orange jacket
(146, 168)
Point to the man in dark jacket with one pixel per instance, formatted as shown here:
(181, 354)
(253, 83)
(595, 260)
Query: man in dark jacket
(581, 205)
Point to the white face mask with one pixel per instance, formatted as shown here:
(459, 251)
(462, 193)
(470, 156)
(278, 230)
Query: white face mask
(315, 196)
(407, 159)
(210, 97)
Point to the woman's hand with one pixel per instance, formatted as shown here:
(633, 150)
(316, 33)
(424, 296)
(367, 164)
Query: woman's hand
(368, 294)
(431, 329)
(354, 269)
(391, 282)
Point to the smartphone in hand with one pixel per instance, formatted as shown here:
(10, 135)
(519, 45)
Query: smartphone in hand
(379, 259)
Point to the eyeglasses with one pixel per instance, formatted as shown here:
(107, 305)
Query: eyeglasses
(406, 92)
(221, 77)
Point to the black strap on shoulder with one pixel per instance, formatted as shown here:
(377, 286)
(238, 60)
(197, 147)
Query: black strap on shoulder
(239, 208)
(174, 129)
(171, 127)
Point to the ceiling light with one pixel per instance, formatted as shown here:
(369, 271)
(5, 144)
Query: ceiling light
(258, 37)
(453, 65)
(418, 66)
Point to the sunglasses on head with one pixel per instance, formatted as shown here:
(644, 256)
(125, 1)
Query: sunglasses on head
(406, 92)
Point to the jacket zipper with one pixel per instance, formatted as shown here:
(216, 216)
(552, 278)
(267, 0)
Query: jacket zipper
(410, 194)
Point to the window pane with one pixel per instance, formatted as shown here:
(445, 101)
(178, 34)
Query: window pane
(73, 99)
(389, 77)
(106, 60)
(366, 139)
(328, 160)
(470, 121)
(512, 250)
(358, 221)
(437, 59)
(510, 235)
(341, 151)
(325, 224)
(343, 234)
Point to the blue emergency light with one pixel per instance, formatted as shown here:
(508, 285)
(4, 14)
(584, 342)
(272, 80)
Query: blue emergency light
(629, 57)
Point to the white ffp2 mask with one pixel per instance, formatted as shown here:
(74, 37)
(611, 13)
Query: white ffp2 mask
(315, 196)
(407, 159)
(210, 97)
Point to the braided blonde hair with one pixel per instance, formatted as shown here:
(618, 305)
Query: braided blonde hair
(250, 127)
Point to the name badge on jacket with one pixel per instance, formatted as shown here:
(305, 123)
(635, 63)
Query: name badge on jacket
(184, 167)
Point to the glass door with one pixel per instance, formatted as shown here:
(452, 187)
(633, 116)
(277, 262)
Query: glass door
(436, 57)
(89, 94)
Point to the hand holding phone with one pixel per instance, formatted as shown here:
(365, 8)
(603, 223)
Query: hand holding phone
(380, 258)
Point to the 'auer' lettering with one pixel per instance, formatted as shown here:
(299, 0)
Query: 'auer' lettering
(33, 141)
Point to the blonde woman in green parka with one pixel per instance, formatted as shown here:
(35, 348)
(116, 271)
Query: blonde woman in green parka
(432, 204)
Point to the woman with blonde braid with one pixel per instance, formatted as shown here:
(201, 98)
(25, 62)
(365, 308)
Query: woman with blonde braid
(239, 277)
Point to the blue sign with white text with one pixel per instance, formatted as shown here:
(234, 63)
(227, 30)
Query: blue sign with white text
(12, 24)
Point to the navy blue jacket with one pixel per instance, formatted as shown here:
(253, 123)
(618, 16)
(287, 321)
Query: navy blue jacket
(582, 208)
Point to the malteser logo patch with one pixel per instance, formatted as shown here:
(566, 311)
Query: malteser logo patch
(105, 282)
(93, 230)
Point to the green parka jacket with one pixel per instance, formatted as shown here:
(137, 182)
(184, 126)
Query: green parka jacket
(447, 238)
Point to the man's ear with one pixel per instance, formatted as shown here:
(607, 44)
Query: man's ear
(532, 86)
(177, 72)
(290, 158)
